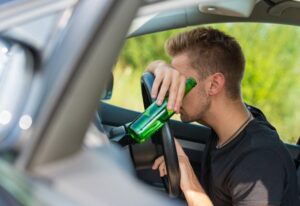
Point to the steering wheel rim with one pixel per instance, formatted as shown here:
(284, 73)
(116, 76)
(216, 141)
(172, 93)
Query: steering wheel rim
(168, 143)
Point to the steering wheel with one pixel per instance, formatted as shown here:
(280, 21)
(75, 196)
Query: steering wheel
(167, 141)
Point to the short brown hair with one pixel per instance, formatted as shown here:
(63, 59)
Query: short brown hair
(211, 51)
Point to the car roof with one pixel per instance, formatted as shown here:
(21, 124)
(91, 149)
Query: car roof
(266, 11)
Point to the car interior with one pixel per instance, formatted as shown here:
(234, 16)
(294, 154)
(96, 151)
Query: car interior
(63, 150)
(192, 137)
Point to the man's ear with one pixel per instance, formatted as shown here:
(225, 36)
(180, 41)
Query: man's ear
(215, 83)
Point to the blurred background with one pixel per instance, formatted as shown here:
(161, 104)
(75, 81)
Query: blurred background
(271, 80)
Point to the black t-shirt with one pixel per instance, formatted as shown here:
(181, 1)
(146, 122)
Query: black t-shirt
(255, 168)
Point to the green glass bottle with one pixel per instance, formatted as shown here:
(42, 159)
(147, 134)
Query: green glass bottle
(153, 118)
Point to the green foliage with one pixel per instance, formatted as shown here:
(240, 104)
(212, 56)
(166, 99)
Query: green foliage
(140, 51)
(271, 79)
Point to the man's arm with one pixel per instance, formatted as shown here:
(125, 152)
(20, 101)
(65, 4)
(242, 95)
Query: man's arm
(189, 184)
(167, 79)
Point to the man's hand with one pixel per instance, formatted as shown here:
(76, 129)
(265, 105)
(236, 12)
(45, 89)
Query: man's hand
(186, 171)
(167, 79)
(189, 184)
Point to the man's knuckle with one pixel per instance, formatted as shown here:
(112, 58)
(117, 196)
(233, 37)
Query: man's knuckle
(175, 74)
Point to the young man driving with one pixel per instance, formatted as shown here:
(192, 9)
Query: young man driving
(245, 162)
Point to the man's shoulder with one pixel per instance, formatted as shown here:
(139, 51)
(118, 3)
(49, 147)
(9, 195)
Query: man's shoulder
(261, 134)
(262, 141)
(261, 131)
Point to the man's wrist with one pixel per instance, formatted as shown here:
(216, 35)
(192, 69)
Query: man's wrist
(197, 197)
(191, 187)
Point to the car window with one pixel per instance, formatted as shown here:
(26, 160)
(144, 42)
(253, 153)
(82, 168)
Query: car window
(16, 75)
(271, 80)
(21, 85)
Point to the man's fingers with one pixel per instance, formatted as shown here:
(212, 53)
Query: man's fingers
(180, 94)
(163, 89)
(156, 84)
(167, 79)
(158, 162)
(173, 91)
(162, 169)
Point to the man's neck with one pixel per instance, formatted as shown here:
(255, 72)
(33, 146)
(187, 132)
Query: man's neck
(227, 119)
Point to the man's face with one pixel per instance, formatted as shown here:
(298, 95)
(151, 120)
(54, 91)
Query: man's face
(196, 103)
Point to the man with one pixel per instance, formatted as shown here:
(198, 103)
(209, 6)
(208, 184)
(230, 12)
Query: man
(245, 163)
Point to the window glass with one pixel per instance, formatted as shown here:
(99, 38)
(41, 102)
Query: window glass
(20, 89)
(271, 80)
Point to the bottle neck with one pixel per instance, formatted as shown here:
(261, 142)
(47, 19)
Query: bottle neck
(189, 85)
